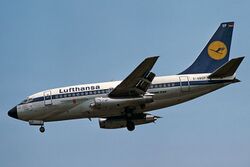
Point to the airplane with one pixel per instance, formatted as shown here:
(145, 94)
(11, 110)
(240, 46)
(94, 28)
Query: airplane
(127, 103)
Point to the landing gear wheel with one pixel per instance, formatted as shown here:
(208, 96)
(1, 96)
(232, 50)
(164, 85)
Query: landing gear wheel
(130, 125)
(42, 129)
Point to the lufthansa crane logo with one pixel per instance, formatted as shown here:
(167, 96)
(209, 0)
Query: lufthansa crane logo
(217, 50)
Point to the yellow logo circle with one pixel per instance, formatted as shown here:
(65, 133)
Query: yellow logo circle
(217, 50)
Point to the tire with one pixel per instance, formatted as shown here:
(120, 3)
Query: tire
(42, 129)
(130, 126)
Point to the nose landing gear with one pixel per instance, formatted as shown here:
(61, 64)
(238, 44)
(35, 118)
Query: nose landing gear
(38, 123)
(42, 129)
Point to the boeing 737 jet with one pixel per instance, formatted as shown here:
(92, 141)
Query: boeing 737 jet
(127, 103)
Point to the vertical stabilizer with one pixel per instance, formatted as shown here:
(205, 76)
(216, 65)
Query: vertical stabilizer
(216, 52)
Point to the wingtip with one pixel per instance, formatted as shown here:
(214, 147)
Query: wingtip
(236, 80)
(239, 58)
(229, 24)
(242, 58)
(153, 57)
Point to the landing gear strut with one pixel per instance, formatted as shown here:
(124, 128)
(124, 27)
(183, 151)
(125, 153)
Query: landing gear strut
(38, 123)
(130, 125)
(129, 115)
(42, 129)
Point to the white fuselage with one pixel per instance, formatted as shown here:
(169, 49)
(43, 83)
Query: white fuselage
(75, 102)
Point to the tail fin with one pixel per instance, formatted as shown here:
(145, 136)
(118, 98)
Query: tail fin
(216, 52)
(227, 69)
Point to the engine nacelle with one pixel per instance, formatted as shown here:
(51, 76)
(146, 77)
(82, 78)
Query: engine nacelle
(114, 123)
(109, 103)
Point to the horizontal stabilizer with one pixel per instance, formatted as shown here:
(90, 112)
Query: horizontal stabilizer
(228, 69)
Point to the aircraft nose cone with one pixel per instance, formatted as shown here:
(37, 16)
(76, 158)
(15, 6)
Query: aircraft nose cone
(13, 112)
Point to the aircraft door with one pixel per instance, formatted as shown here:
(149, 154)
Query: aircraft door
(47, 98)
(184, 83)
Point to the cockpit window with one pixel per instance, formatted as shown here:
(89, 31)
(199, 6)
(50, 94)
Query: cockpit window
(24, 101)
(28, 100)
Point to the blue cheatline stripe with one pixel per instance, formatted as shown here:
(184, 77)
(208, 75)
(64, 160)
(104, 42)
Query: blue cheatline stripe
(106, 91)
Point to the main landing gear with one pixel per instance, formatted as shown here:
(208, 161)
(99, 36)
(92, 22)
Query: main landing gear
(130, 125)
(129, 115)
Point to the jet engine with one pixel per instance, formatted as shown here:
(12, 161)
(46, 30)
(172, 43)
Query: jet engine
(121, 122)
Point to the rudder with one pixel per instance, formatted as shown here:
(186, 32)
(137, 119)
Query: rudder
(216, 52)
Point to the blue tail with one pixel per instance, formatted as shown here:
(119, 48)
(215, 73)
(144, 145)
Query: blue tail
(216, 52)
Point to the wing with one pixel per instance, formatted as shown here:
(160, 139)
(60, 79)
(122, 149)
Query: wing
(138, 82)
